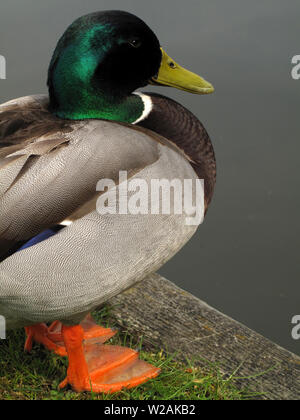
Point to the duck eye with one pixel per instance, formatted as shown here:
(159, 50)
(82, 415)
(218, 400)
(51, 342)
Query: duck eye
(172, 65)
(135, 43)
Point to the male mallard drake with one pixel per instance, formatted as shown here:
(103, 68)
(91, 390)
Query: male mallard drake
(53, 152)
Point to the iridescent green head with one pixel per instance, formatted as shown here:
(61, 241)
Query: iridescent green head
(99, 61)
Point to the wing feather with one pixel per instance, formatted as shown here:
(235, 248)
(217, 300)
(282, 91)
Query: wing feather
(49, 168)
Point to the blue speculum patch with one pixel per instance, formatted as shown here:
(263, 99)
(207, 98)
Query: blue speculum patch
(41, 237)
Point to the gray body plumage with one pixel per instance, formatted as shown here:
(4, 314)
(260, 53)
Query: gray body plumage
(53, 178)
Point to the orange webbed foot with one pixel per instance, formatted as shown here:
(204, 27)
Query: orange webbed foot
(39, 334)
(51, 337)
(90, 329)
(102, 368)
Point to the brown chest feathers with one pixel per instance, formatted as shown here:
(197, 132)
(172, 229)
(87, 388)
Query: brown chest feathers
(177, 124)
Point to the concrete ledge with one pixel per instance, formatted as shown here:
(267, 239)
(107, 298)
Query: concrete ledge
(170, 318)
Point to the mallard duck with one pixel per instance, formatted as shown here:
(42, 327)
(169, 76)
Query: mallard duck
(60, 257)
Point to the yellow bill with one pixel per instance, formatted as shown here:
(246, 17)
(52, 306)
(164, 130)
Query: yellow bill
(173, 75)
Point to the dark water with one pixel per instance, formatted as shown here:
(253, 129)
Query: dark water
(245, 258)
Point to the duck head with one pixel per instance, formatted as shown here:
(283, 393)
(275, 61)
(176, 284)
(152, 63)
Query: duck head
(101, 59)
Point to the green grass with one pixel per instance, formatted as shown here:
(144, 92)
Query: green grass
(36, 376)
